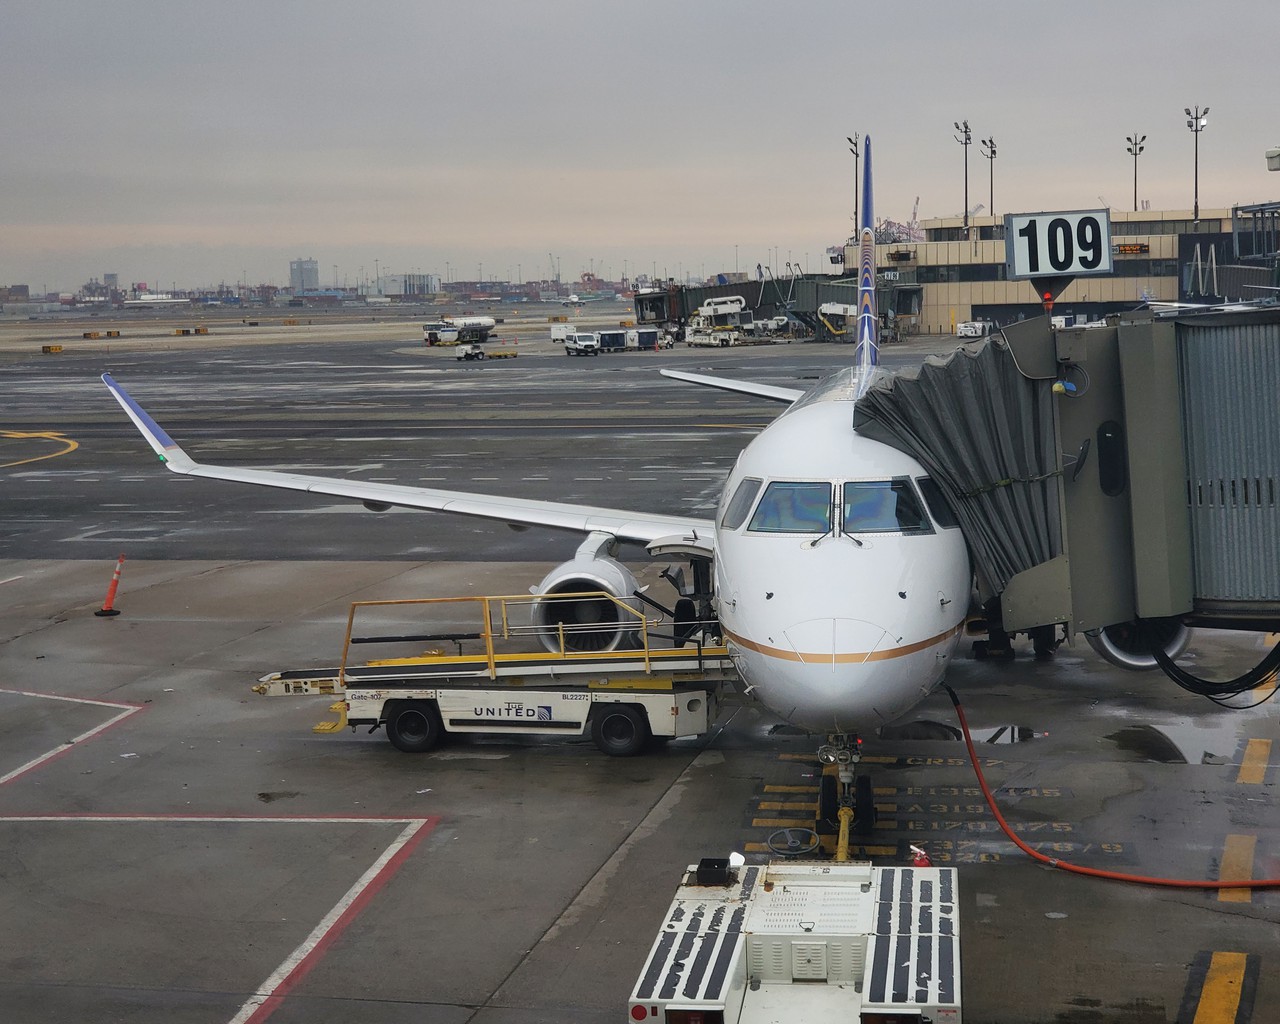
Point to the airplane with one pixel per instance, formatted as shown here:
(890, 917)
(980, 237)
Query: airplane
(576, 300)
(834, 571)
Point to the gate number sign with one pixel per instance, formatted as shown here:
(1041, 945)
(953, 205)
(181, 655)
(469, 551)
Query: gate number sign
(1055, 244)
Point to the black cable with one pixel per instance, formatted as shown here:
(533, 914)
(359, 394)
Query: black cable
(1229, 688)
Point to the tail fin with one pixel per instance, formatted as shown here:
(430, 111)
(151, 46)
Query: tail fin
(866, 354)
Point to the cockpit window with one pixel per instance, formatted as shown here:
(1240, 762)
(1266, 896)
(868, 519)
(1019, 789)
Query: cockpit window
(735, 512)
(939, 507)
(794, 507)
(883, 506)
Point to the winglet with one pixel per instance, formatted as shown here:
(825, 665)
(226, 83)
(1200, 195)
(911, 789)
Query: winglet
(163, 445)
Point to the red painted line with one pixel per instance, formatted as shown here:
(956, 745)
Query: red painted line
(129, 711)
(282, 819)
(312, 957)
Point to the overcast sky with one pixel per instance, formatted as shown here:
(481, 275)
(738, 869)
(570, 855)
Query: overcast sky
(197, 143)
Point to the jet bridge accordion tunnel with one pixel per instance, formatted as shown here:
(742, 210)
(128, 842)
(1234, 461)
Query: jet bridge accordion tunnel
(1121, 480)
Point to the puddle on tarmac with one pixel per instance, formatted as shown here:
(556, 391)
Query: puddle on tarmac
(1148, 743)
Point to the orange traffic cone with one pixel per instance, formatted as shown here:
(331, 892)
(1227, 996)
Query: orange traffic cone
(107, 608)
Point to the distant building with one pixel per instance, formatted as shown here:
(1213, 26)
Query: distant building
(957, 273)
(304, 276)
(410, 285)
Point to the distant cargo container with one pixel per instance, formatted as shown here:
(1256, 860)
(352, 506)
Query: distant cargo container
(613, 341)
(643, 338)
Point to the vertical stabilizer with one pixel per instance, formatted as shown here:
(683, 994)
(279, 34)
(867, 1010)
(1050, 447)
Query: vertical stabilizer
(866, 354)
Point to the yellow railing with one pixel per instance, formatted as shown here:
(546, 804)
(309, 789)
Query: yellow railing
(499, 620)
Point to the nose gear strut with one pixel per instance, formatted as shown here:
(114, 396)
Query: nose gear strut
(846, 804)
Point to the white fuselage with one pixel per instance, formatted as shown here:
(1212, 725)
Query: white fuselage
(838, 629)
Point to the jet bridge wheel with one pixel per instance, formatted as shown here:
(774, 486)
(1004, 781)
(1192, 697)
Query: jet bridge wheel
(413, 726)
(620, 730)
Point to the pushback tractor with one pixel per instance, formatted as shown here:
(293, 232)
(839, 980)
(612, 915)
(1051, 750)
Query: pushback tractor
(805, 941)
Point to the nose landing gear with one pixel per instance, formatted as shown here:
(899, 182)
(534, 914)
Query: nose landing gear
(846, 804)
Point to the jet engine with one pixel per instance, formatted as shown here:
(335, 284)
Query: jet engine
(1132, 645)
(588, 624)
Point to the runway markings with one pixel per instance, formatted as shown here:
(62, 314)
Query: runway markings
(68, 445)
(299, 963)
(1237, 863)
(271, 993)
(1253, 766)
(1220, 989)
(952, 821)
(126, 710)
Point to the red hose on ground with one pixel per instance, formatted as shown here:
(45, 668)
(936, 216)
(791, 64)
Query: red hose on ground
(1053, 862)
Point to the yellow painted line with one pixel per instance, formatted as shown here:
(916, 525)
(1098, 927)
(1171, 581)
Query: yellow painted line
(780, 805)
(1237, 863)
(1253, 767)
(782, 822)
(1265, 688)
(1220, 997)
(868, 851)
(69, 444)
(790, 789)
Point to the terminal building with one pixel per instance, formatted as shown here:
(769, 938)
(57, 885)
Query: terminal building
(956, 274)
(943, 273)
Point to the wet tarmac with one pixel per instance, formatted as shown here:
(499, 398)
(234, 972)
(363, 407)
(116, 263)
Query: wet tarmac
(178, 848)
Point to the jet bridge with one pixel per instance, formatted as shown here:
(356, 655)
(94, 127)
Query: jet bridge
(1120, 480)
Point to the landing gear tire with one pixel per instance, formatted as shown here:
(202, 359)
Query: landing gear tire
(829, 799)
(413, 726)
(1044, 640)
(864, 806)
(620, 730)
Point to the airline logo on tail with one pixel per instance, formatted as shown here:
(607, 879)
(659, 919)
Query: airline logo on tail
(867, 353)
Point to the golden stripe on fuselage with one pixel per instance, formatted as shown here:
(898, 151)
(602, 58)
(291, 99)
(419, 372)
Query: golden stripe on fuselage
(849, 658)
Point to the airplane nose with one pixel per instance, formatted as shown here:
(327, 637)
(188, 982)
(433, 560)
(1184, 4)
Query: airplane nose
(828, 641)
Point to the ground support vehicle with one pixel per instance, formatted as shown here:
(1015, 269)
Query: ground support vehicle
(713, 339)
(582, 343)
(805, 941)
(473, 350)
(629, 695)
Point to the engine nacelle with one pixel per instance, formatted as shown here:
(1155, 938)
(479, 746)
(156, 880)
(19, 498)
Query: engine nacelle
(1131, 644)
(588, 624)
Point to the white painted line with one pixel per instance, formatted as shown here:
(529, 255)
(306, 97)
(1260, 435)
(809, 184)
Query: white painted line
(11, 579)
(266, 1000)
(62, 748)
(259, 1006)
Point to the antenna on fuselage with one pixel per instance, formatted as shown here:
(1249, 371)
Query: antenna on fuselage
(866, 353)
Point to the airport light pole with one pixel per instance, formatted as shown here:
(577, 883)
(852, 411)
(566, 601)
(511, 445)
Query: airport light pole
(966, 140)
(1135, 147)
(989, 151)
(1196, 122)
(853, 148)
(377, 277)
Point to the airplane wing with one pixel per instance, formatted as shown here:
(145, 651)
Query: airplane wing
(746, 387)
(640, 527)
